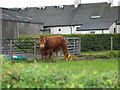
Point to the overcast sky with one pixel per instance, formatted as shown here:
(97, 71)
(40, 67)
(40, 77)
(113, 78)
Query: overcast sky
(38, 3)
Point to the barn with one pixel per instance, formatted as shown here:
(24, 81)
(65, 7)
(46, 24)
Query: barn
(14, 23)
(69, 19)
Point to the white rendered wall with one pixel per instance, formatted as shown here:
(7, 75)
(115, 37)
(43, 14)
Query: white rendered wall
(118, 28)
(72, 30)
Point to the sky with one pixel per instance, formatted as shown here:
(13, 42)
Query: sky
(38, 3)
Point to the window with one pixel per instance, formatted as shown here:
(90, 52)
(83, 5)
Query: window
(29, 18)
(92, 32)
(59, 29)
(78, 27)
(95, 17)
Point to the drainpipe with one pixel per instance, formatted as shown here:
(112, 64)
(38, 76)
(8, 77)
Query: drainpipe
(116, 26)
(71, 29)
(102, 32)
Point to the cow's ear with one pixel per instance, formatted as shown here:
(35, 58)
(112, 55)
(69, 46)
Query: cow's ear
(44, 38)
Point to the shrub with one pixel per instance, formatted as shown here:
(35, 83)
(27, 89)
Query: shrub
(91, 42)
(112, 55)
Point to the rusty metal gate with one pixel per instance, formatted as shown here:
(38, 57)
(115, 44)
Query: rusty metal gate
(30, 49)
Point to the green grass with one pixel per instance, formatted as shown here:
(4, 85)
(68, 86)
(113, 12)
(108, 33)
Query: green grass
(99, 52)
(94, 73)
(65, 74)
(1, 57)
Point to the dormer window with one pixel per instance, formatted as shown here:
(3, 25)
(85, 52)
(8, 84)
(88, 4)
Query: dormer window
(29, 18)
(95, 17)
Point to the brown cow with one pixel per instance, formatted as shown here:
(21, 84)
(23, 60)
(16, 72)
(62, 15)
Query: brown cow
(48, 45)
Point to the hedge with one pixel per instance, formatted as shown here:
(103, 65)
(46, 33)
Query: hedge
(91, 42)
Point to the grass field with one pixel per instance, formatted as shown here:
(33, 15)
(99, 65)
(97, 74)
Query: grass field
(98, 73)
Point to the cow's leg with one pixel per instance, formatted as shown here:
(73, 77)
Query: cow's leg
(57, 54)
(42, 56)
(65, 51)
(49, 56)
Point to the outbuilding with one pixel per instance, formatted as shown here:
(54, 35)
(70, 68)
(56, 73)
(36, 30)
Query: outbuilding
(14, 24)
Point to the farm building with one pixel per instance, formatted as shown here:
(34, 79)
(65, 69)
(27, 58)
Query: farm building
(14, 23)
(70, 19)
(65, 19)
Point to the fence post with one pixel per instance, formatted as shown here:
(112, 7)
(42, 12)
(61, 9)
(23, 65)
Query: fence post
(11, 50)
(34, 49)
(79, 45)
(74, 45)
(111, 43)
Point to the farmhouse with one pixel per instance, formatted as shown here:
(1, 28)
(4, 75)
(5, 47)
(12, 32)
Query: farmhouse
(71, 19)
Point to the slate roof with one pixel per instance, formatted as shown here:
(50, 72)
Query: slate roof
(96, 25)
(118, 21)
(69, 15)
(16, 16)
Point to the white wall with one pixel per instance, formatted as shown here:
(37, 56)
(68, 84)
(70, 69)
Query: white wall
(96, 31)
(111, 29)
(118, 28)
(64, 30)
(72, 29)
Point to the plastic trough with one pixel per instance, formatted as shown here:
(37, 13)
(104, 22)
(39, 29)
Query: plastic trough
(16, 57)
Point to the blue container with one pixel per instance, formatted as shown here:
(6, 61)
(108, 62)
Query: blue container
(16, 57)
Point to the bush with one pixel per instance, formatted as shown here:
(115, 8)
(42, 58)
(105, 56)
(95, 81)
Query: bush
(105, 55)
(91, 42)
(112, 55)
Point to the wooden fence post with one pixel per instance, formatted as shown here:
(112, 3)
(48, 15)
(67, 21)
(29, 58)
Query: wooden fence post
(79, 45)
(111, 43)
(74, 45)
(11, 50)
(34, 49)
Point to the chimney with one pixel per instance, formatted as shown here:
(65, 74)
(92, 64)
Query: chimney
(76, 3)
(110, 2)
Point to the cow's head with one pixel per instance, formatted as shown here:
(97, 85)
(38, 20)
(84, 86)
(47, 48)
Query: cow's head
(42, 41)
